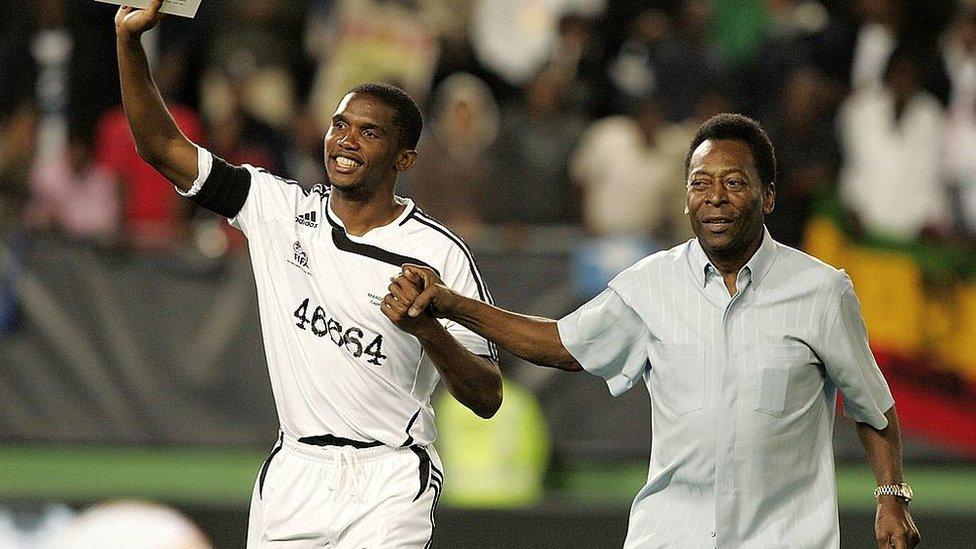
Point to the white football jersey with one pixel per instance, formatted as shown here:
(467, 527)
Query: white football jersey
(338, 366)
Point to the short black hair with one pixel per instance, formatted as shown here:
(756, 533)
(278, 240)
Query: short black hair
(406, 113)
(737, 127)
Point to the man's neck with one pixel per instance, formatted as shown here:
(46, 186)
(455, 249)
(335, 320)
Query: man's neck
(361, 213)
(729, 265)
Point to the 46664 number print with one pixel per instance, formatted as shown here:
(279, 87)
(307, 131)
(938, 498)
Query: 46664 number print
(322, 325)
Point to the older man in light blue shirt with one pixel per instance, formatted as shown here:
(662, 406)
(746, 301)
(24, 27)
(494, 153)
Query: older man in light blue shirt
(742, 392)
(743, 344)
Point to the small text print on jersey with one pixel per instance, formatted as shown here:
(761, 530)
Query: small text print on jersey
(352, 339)
(299, 257)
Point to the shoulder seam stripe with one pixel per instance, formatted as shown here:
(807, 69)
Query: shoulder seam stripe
(423, 218)
(482, 288)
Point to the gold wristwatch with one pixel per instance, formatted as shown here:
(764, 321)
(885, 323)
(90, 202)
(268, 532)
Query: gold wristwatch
(903, 491)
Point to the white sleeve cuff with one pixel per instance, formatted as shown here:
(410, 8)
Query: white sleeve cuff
(204, 165)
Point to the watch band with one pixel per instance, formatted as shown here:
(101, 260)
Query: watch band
(903, 491)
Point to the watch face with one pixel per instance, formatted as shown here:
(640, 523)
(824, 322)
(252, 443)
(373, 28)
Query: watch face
(907, 491)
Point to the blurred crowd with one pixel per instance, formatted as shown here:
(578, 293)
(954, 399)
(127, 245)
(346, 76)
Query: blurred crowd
(538, 112)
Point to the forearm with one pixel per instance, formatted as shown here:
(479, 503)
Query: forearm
(893, 524)
(883, 449)
(473, 380)
(158, 139)
(534, 339)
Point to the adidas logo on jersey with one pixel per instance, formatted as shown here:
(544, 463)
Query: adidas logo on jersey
(309, 219)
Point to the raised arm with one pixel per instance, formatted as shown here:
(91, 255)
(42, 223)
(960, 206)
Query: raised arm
(532, 338)
(158, 139)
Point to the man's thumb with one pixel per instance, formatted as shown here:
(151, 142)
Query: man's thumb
(421, 302)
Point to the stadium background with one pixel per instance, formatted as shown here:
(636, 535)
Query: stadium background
(131, 365)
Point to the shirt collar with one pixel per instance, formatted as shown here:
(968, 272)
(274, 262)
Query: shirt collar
(337, 223)
(758, 264)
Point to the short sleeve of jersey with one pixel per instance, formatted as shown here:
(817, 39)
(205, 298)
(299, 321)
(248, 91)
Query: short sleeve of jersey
(608, 339)
(462, 275)
(270, 197)
(246, 195)
(849, 362)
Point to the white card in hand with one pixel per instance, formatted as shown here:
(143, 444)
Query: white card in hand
(183, 8)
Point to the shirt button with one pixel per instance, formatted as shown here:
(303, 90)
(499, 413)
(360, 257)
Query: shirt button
(711, 533)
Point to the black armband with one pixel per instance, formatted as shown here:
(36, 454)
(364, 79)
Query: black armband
(225, 190)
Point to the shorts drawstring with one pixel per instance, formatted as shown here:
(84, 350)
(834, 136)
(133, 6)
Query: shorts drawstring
(346, 466)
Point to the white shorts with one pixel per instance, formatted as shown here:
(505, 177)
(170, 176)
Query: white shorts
(344, 497)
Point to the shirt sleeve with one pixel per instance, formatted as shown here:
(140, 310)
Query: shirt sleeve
(462, 276)
(608, 339)
(849, 362)
(246, 195)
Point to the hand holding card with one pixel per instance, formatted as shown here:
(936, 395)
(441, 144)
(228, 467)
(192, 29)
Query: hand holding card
(183, 8)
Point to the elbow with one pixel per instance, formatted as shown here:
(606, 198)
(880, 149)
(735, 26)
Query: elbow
(571, 365)
(488, 406)
(157, 151)
(148, 154)
(566, 362)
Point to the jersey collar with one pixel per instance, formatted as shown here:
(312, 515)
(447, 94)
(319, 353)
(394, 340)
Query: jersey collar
(400, 219)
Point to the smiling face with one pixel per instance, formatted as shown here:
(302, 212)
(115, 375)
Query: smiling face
(362, 147)
(727, 200)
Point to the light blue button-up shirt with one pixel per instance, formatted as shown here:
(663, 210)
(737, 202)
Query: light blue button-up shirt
(742, 392)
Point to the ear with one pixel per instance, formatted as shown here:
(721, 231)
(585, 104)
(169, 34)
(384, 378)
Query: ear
(405, 160)
(769, 198)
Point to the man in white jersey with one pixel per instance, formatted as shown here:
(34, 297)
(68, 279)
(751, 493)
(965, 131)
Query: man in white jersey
(354, 464)
(742, 344)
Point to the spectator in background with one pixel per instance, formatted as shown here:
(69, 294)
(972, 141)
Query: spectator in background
(455, 170)
(303, 160)
(531, 186)
(153, 218)
(237, 134)
(891, 142)
(626, 175)
(674, 60)
(577, 56)
(269, 57)
(632, 71)
(18, 128)
(377, 40)
(515, 38)
(792, 30)
(959, 53)
(875, 41)
(807, 151)
(73, 195)
(628, 179)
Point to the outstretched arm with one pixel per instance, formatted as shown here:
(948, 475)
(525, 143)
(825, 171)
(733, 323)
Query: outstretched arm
(532, 338)
(473, 380)
(894, 526)
(158, 139)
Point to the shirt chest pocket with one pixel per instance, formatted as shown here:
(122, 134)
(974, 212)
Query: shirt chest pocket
(788, 378)
(678, 378)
